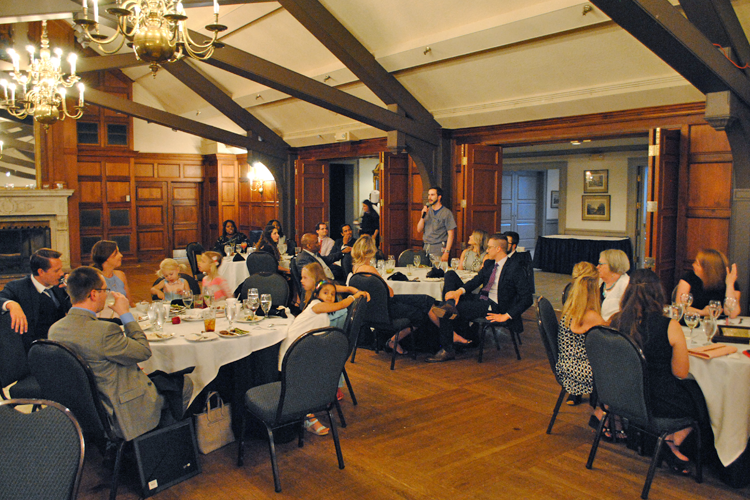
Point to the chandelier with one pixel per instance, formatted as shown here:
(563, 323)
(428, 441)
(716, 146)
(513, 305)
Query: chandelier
(41, 90)
(155, 29)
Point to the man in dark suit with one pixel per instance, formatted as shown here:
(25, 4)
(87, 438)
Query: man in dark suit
(512, 242)
(505, 295)
(36, 301)
(346, 242)
(310, 253)
(523, 259)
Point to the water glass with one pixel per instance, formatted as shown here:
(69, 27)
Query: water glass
(142, 307)
(409, 269)
(714, 308)
(692, 319)
(675, 311)
(152, 313)
(454, 263)
(709, 327)
(161, 316)
(381, 267)
(390, 265)
(110, 300)
(187, 299)
(417, 260)
(687, 299)
(231, 311)
(228, 250)
(730, 304)
(265, 303)
(254, 303)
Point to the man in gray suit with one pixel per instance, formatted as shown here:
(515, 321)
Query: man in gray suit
(129, 395)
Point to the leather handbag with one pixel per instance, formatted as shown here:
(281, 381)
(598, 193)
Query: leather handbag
(213, 427)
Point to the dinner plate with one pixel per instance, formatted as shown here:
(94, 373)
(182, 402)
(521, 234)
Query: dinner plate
(201, 337)
(159, 336)
(433, 279)
(228, 334)
(247, 320)
(192, 316)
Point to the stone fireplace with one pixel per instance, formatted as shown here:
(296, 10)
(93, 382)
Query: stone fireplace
(31, 219)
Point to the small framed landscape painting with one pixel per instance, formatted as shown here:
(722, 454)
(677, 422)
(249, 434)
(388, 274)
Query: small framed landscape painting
(595, 181)
(595, 207)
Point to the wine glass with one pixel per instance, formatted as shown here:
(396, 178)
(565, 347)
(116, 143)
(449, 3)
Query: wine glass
(243, 245)
(207, 299)
(730, 304)
(265, 303)
(187, 299)
(692, 319)
(254, 303)
(676, 311)
(454, 263)
(228, 250)
(714, 309)
(417, 260)
(709, 327)
(231, 311)
(687, 299)
(110, 300)
(153, 312)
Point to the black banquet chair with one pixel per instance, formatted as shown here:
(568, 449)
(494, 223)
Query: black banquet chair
(42, 451)
(548, 329)
(378, 314)
(265, 282)
(310, 375)
(407, 257)
(259, 262)
(13, 364)
(621, 382)
(193, 250)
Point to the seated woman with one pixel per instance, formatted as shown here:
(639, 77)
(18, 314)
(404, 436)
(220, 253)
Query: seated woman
(230, 236)
(580, 269)
(286, 247)
(106, 257)
(613, 268)
(268, 243)
(710, 279)
(472, 259)
(580, 312)
(671, 394)
(417, 307)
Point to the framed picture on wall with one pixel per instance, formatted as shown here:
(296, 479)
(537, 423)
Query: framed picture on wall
(595, 181)
(595, 207)
(554, 199)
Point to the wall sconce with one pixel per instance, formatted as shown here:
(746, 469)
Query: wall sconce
(257, 174)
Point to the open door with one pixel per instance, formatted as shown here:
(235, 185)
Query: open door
(661, 205)
(394, 197)
(483, 181)
(311, 195)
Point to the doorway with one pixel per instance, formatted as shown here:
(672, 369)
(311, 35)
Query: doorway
(520, 210)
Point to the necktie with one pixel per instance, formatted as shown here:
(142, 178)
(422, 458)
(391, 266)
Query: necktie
(485, 294)
(49, 294)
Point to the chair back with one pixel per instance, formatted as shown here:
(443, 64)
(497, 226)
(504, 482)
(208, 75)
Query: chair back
(346, 263)
(619, 369)
(192, 283)
(13, 364)
(260, 262)
(310, 372)
(407, 257)
(566, 292)
(354, 320)
(378, 310)
(43, 451)
(296, 276)
(548, 329)
(253, 237)
(272, 283)
(67, 379)
(193, 249)
(527, 263)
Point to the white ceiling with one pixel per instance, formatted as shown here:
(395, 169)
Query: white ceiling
(470, 63)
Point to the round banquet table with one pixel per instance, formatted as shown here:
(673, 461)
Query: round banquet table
(427, 286)
(236, 272)
(178, 353)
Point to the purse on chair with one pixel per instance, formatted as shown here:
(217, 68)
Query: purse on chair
(213, 427)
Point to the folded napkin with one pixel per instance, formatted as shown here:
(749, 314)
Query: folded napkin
(398, 276)
(436, 272)
(712, 351)
(238, 258)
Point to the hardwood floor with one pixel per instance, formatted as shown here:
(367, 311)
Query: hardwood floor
(458, 430)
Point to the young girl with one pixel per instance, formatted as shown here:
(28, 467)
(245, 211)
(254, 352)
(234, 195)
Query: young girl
(311, 275)
(321, 311)
(217, 286)
(172, 286)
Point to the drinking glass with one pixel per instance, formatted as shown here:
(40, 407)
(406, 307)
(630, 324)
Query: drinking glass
(687, 299)
(110, 300)
(231, 311)
(417, 260)
(390, 265)
(381, 267)
(454, 263)
(142, 307)
(254, 303)
(152, 313)
(391, 257)
(265, 303)
(714, 309)
(187, 299)
(730, 304)
(709, 327)
(409, 269)
(675, 311)
(207, 299)
(692, 319)
(159, 316)
(228, 250)
(209, 319)
(243, 245)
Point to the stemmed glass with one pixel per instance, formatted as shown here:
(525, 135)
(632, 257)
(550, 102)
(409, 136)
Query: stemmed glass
(161, 316)
(265, 303)
(675, 311)
(153, 312)
(714, 309)
(687, 299)
(231, 311)
(709, 327)
(228, 250)
(692, 319)
(454, 263)
(187, 299)
(417, 260)
(254, 303)
(730, 304)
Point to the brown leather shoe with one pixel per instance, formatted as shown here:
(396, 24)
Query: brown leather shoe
(442, 355)
(445, 310)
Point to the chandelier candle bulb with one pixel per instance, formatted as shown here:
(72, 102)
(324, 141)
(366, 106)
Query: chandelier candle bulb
(96, 10)
(216, 6)
(72, 58)
(80, 95)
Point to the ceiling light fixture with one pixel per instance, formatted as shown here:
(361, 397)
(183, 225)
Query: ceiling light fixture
(155, 29)
(257, 174)
(46, 98)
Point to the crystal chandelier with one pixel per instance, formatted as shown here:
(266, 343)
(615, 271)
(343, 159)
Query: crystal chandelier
(41, 90)
(155, 29)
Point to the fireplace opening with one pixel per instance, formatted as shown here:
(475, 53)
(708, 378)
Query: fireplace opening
(18, 240)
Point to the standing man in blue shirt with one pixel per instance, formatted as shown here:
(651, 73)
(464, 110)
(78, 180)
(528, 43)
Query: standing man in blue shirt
(438, 225)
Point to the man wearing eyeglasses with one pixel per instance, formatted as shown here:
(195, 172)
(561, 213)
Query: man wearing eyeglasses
(133, 400)
(36, 301)
(505, 294)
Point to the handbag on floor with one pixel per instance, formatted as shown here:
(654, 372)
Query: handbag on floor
(213, 428)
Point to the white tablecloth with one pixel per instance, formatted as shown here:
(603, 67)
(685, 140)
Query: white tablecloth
(207, 357)
(725, 383)
(431, 288)
(234, 272)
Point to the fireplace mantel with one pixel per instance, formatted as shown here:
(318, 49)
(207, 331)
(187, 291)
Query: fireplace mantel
(50, 205)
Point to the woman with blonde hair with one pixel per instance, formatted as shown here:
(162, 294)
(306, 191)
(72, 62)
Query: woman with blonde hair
(613, 268)
(710, 279)
(472, 258)
(581, 312)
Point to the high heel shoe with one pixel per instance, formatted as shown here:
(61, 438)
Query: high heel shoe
(606, 431)
(676, 464)
(574, 400)
(395, 345)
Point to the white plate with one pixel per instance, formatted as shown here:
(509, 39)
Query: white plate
(433, 279)
(246, 320)
(191, 317)
(158, 336)
(232, 336)
(201, 337)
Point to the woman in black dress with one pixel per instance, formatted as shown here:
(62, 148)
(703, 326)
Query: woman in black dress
(710, 279)
(230, 236)
(268, 243)
(370, 221)
(672, 395)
